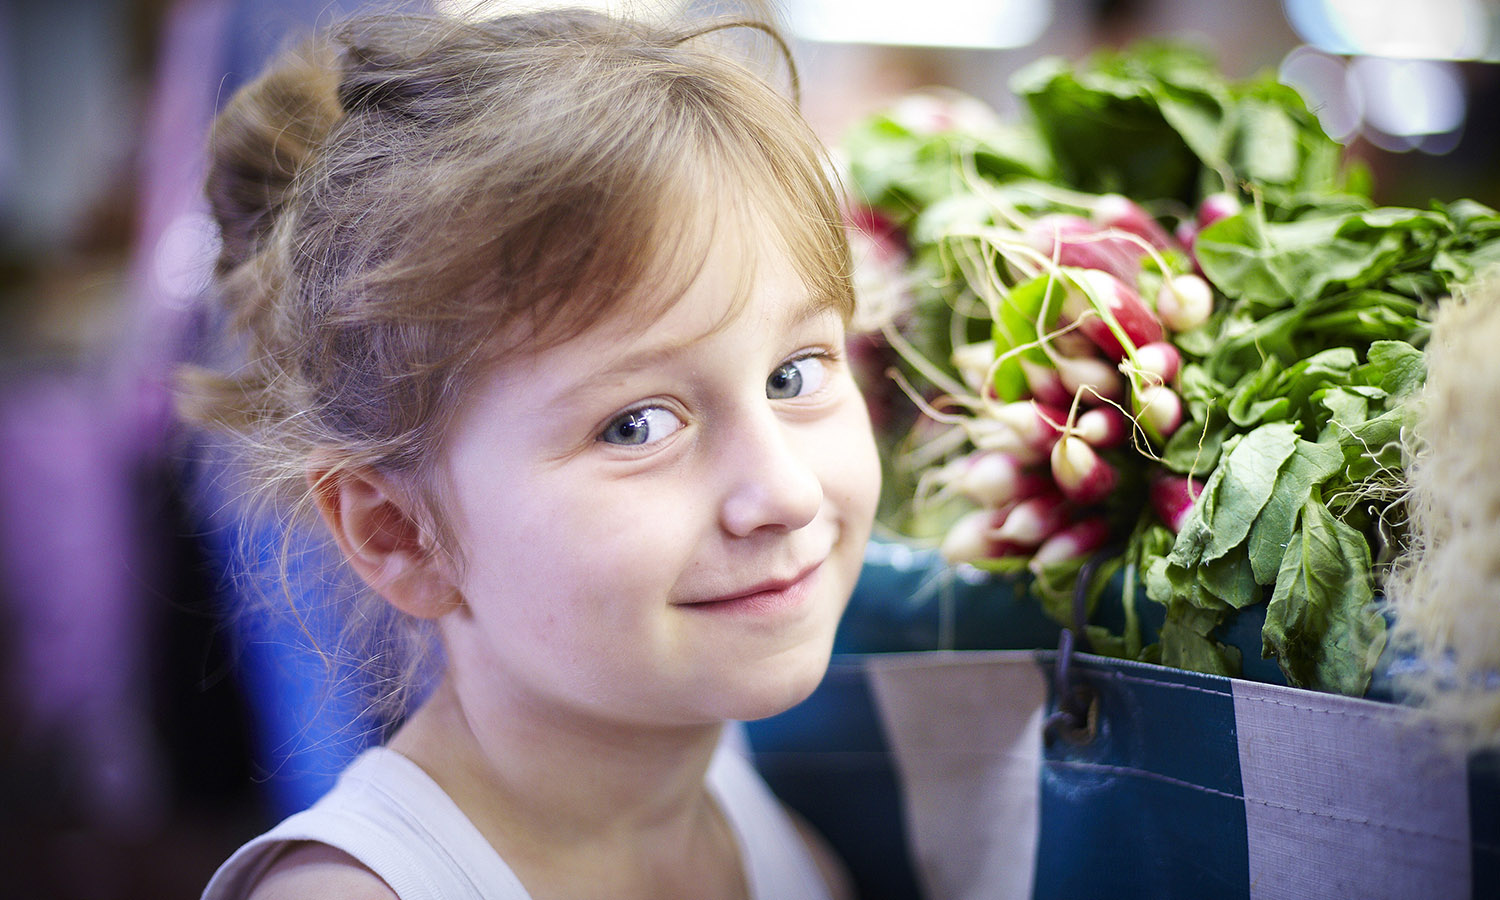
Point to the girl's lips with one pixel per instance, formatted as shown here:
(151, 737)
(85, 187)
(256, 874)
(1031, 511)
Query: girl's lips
(766, 597)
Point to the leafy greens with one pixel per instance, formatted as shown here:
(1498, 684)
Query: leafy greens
(1295, 391)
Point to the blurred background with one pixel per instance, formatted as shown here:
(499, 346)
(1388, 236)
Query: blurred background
(141, 738)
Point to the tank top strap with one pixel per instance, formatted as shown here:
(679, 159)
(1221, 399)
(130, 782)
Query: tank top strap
(393, 818)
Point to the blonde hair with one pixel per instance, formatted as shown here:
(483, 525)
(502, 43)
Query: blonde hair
(406, 200)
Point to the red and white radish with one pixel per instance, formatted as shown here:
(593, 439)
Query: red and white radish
(989, 434)
(1038, 424)
(1044, 383)
(1098, 297)
(1033, 520)
(1172, 498)
(1158, 409)
(1120, 212)
(1090, 378)
(934, 112)
(1215, 207)
(972, 538)
(1158, 362)
(1184, 302)
(1077, 242)
(973, 362)
(1079, 472)
(1186, 233)
(1073, 542)
(1103, 427)
(993, 479)
(1070, 341)
(884, 235)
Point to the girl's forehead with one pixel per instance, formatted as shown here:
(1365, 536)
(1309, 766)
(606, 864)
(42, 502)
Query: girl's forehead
(709, 279)
(710, 259)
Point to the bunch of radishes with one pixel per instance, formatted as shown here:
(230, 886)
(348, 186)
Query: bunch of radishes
(1044, 466)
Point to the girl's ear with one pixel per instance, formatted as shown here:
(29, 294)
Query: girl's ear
(377, 530)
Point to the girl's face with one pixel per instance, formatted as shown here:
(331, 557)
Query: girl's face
(663, 524)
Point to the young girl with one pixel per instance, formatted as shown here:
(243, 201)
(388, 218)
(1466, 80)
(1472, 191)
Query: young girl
(544, 318)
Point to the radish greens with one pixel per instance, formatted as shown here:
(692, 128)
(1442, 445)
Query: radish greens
(1160, 246)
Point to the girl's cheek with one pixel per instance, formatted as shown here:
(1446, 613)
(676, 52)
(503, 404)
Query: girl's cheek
(854, 463)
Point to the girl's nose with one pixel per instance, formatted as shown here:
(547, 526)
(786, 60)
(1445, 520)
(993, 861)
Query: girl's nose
(772, 484)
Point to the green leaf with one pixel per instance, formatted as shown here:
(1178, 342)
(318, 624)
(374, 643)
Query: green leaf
(1170, 584)
(1186, 642)
(1015, 326)
(888, 170)
(1321, 625)
(1104, 126)
(1318, 165)
(1195, 532)
(1198, 389)
(1199, 118)
(1054, 586)
(1240, 258)
(1231, 579)
(1309, 465)
(1248, 405)
(1471, 215)
(1249, 477)
(1346, 410)
(1193, 449)
(1277, 264)
(1246, 342)
(1010, 153)
(1158, 579)
(1105, 643)
(1300, 380)
(1396, 367)
(1197, 342)
(1375, 445)
(1269, 149)
(1376, 314)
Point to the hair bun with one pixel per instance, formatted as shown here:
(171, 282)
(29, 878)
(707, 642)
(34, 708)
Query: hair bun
(262, 140)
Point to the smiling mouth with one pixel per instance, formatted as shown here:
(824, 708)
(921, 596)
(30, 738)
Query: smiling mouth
(766, 597)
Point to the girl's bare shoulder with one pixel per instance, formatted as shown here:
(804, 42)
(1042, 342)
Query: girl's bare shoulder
(309, 870)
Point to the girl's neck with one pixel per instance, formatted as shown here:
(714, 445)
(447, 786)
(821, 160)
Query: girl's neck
(544, 790)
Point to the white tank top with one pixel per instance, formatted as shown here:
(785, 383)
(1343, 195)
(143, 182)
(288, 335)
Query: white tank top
(388, 814)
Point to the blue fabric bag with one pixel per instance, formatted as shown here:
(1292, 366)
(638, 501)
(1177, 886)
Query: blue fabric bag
(932, 769)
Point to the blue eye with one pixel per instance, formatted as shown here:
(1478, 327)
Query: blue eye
(641, 426)
(795, 378)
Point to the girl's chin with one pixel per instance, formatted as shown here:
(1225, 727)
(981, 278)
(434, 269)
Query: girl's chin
(776, 688)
